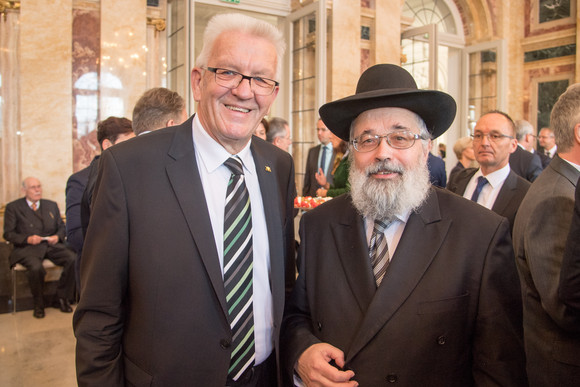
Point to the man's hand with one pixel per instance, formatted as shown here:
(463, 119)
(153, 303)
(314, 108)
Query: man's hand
(34, 240)
(320, 178)
(52, 240)
(314, 369)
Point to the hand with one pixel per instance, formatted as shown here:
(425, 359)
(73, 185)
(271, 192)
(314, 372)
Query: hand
(320, 178)
(321, 192)
(52, 240)
(33, 240)
(314, 369)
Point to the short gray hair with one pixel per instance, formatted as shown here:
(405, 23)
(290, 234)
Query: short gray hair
(276, 128)
(564, 117)
(523, 128)
(242, 23)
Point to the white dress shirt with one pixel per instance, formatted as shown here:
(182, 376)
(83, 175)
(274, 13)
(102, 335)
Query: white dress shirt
(210, 157)
(489, 191)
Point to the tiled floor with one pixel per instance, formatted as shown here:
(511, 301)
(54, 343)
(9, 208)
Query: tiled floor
(37, 352)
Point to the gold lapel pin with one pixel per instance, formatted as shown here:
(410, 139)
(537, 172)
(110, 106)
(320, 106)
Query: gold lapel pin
(268, 169)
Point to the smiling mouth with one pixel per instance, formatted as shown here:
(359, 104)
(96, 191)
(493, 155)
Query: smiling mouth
(238, 109)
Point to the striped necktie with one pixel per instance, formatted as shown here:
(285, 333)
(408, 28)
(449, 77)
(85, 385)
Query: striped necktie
(379, 250)
(238, 263)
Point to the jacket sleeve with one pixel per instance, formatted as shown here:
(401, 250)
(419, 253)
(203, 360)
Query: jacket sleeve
(74, 192)
(11, 230)
(569, 289)
(498, 350)
(100, 315)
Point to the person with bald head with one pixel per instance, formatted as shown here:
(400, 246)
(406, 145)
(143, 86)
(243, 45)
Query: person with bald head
(35, 227)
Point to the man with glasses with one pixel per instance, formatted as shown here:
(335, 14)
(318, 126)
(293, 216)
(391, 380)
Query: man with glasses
(279, 134)
(547, 141)
(493, 185)
(191, 237)
(401, 282)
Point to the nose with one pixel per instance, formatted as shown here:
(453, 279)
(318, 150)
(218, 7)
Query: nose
(244, 89)
(384, 151)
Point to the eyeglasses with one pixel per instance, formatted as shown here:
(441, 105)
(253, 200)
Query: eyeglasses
(232, 79)
(493, 137)
(399, 140)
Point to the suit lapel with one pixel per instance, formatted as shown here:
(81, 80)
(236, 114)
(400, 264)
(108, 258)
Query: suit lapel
(184, 177)
(423, 236)
(267, 177)
(505, 193)
(350, 239)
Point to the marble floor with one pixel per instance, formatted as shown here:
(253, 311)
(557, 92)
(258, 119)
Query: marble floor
(37, 352)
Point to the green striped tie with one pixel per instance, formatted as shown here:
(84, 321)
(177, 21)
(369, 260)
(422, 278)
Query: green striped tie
(238, 264)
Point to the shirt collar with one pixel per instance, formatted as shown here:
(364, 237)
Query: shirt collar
(496, 177)
(213, 155)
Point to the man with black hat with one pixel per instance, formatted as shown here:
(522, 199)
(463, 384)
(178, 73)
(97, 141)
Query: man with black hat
(401, 281)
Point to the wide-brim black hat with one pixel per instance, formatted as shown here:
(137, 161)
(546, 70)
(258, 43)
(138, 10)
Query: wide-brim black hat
(388, 85)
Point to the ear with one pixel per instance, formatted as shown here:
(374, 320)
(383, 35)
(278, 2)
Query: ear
(169, 123)
(196, 79)
(577, 133)
(106, 144)
(513, 145)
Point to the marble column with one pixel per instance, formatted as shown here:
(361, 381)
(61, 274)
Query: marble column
(9, 96)
(344, 48)
(123, 76)
(45, 94)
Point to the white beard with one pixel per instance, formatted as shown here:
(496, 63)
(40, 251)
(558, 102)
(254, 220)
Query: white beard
(384, 198)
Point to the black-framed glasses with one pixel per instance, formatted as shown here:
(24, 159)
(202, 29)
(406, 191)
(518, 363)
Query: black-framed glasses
(232, 79)
(367, 142)
(493, 137)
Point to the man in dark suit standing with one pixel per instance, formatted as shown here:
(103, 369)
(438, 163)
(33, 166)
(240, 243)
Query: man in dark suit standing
(109, 132)
(547, 140)
(523, 161)
(320, 160)
(401, 282)
(183, 273)
(493, 185)
(35, 228)
(551, 332)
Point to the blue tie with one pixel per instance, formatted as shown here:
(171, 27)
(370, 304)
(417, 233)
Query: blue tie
(323, 160)
(481, 181)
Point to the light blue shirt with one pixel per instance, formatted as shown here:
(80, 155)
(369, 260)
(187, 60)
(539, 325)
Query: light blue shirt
(210, 157)
(329, 161)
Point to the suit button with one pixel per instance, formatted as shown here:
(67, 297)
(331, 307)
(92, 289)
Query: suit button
(392, 378)
(441, 340)
(320, 326)
(225, 343)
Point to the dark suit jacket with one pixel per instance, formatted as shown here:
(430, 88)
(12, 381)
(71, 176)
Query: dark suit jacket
(75, 186)
(508, 199)
(448, 312)
(310, 184)
(87, 196)
(569, 289)
(540, 231)
(20, 222)
(544, 159)
(526, 164)
(153, 307)
(437, 174)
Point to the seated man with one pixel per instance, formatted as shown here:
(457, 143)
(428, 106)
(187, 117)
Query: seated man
(35, 228)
